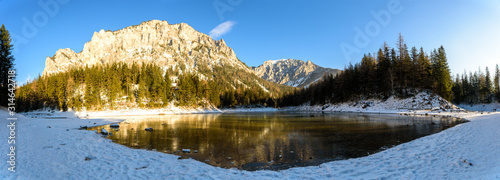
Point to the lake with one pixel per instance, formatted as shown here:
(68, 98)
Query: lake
(276, 140)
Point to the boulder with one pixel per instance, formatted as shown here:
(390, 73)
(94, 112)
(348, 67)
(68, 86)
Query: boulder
(104, 131)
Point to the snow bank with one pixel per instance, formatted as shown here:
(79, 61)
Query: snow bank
(422, 101)
(260, 109)
(170, 109)
(165, 111)
(493, 107)
(466, 151)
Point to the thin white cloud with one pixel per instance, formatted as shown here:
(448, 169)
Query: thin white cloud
(221, 29)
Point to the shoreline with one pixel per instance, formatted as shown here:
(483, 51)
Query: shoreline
(51, 114)
(62, 144)
(422, 103)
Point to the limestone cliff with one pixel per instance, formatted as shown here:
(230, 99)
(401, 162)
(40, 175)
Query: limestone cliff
(167, 45)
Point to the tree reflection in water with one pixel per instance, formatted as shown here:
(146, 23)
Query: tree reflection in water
(254, 141)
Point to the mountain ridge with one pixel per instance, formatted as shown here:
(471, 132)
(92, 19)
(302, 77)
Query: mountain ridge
(164, 42)
(176, 47)
(292, 72)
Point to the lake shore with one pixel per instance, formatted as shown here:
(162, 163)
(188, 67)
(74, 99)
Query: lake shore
(55, 148)
(422, 103)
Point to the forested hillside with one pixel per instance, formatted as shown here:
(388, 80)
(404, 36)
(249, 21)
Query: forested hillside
(150, 65)
(121, 86)
(400, 72)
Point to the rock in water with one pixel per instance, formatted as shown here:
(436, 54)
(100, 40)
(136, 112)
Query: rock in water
(149, 129)
(186, 150)
(114, 125)
(104, 131)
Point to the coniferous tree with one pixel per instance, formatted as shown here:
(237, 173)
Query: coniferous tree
(142, 86)
(399, 74)
(168, 88)
(441, 74)
(6, 64)
(497, 83)
(70, 86)
(458, 89)
(383, 67)
(90, 90)
(487, 87)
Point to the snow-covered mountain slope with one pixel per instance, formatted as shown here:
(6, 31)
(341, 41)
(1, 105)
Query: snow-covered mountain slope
(292, 72)
(173, 46)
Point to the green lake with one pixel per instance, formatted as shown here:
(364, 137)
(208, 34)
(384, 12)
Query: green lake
(276, 140)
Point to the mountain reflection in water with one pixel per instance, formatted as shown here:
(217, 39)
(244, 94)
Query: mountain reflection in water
(254, 141)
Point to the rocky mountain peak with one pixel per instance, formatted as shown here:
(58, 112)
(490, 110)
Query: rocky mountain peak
(292, 72)
(155, 41)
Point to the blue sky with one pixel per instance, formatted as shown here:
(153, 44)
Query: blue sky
(329, 33)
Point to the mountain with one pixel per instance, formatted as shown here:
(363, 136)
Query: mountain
(153, 41)
(176, 47)
(292, 72)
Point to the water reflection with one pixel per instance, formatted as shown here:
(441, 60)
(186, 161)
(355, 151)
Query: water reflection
(255, 141)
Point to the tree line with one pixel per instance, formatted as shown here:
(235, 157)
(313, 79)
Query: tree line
(477, 87)
(400, 72)
(120, 85)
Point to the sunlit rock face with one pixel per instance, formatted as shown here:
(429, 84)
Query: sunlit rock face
(292, 72)
(167, 45)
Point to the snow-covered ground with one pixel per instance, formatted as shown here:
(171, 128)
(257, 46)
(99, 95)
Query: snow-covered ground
(493, 107)
(421, 101)
(51, 147)
(256, 109)
(162, 111)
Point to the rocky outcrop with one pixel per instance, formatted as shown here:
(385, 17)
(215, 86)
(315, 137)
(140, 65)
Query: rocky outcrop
(292, 72)
(167, 45)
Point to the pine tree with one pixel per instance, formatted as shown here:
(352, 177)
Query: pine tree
(367, 71)
(441, 73)
(488, 86)
(402, 64)
(142, 87)
(497, 83)
(70, 86)
(6, 64)
(61, 91)
(89, 97)
(384, 71)
(168, 91)
(458, 89)
(424, 66)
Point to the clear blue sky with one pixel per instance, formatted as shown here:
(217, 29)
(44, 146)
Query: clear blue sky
(263, 30)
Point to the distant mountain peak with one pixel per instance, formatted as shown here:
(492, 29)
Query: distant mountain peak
(292, 72)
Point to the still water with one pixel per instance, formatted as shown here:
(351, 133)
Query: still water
(253, 141)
